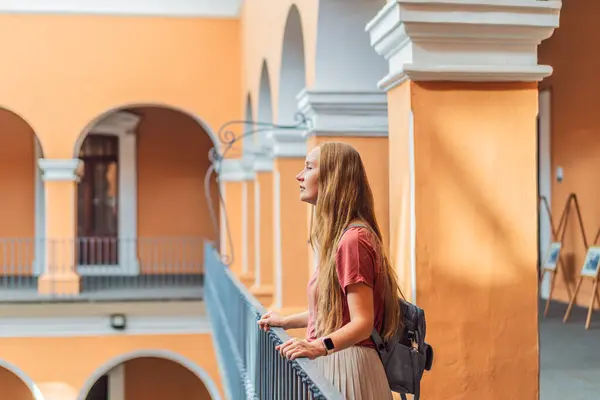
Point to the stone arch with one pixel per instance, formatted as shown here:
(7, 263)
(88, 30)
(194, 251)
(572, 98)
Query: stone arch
(156, 353)
(344, 56)
(209, 131)
(35, 391)
(265, 105)
(293, 70)
(124, 252)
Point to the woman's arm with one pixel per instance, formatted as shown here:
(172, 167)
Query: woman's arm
(294, 321)
(360, 306)
(355, 266)
(273, 319)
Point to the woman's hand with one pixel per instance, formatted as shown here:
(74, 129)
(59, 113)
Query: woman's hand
(271, 319)
(296, 348)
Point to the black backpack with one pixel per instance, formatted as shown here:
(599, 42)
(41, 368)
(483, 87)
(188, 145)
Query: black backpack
(407, 355)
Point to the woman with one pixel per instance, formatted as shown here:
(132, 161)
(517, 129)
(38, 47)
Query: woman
(354, 287)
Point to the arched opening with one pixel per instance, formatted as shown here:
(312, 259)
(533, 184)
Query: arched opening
(293, 75)
(151, 375)
(345, 59)
(141, 210)
(265, 108)
(16, 385)
(22, 227)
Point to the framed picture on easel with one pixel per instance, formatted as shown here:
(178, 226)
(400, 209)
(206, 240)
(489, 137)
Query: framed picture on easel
(552, 257)
(589, 271)
(590, 265)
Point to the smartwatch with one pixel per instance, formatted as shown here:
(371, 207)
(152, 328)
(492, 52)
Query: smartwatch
(328, 343)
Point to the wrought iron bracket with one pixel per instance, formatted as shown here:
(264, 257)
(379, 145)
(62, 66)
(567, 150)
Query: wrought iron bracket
(227, 139)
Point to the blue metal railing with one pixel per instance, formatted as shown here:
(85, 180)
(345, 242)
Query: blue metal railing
(252, 367)
(109, 269)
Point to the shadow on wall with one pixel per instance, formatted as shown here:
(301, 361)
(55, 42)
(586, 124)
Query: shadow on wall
(477, 258)
(15, 385)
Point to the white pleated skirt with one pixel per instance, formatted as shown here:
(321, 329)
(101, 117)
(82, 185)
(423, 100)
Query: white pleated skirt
(357, 372)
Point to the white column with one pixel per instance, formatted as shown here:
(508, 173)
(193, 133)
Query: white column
(40, 213)
(116, 383)
(128, 255)
(66, 169)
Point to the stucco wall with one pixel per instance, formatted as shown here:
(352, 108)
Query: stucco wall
(13, 388)
(86, 65)
(87, 358)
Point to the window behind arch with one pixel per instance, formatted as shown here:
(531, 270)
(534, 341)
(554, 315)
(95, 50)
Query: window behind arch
(97, 201)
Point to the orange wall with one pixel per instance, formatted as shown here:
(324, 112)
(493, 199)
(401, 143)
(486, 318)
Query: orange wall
(476, 246)
(159, 379)
(399, 186)
(81, 357)
(172, 163)
(575, 120)
(12, 388)
(86, 65)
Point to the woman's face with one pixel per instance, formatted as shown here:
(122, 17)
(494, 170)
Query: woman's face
(308, 178)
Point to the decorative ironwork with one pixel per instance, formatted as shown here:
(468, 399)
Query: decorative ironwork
(228, 138)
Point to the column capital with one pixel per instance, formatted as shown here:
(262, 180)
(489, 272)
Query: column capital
(289, 143)
(55, 169)
(463, 40)
(235, 170)
(344, 113)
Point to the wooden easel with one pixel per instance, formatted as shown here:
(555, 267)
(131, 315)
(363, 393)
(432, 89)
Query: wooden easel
(592, 274)
(558, 235)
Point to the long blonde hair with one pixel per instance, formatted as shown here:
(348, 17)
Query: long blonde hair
(344, 196)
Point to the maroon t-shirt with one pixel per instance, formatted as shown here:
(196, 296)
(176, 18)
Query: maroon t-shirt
(356, 261)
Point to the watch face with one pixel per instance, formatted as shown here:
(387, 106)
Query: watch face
(328, 343)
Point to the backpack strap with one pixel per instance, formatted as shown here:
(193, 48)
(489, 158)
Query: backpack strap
(355, 226)
(416, 377)
(376, 337)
